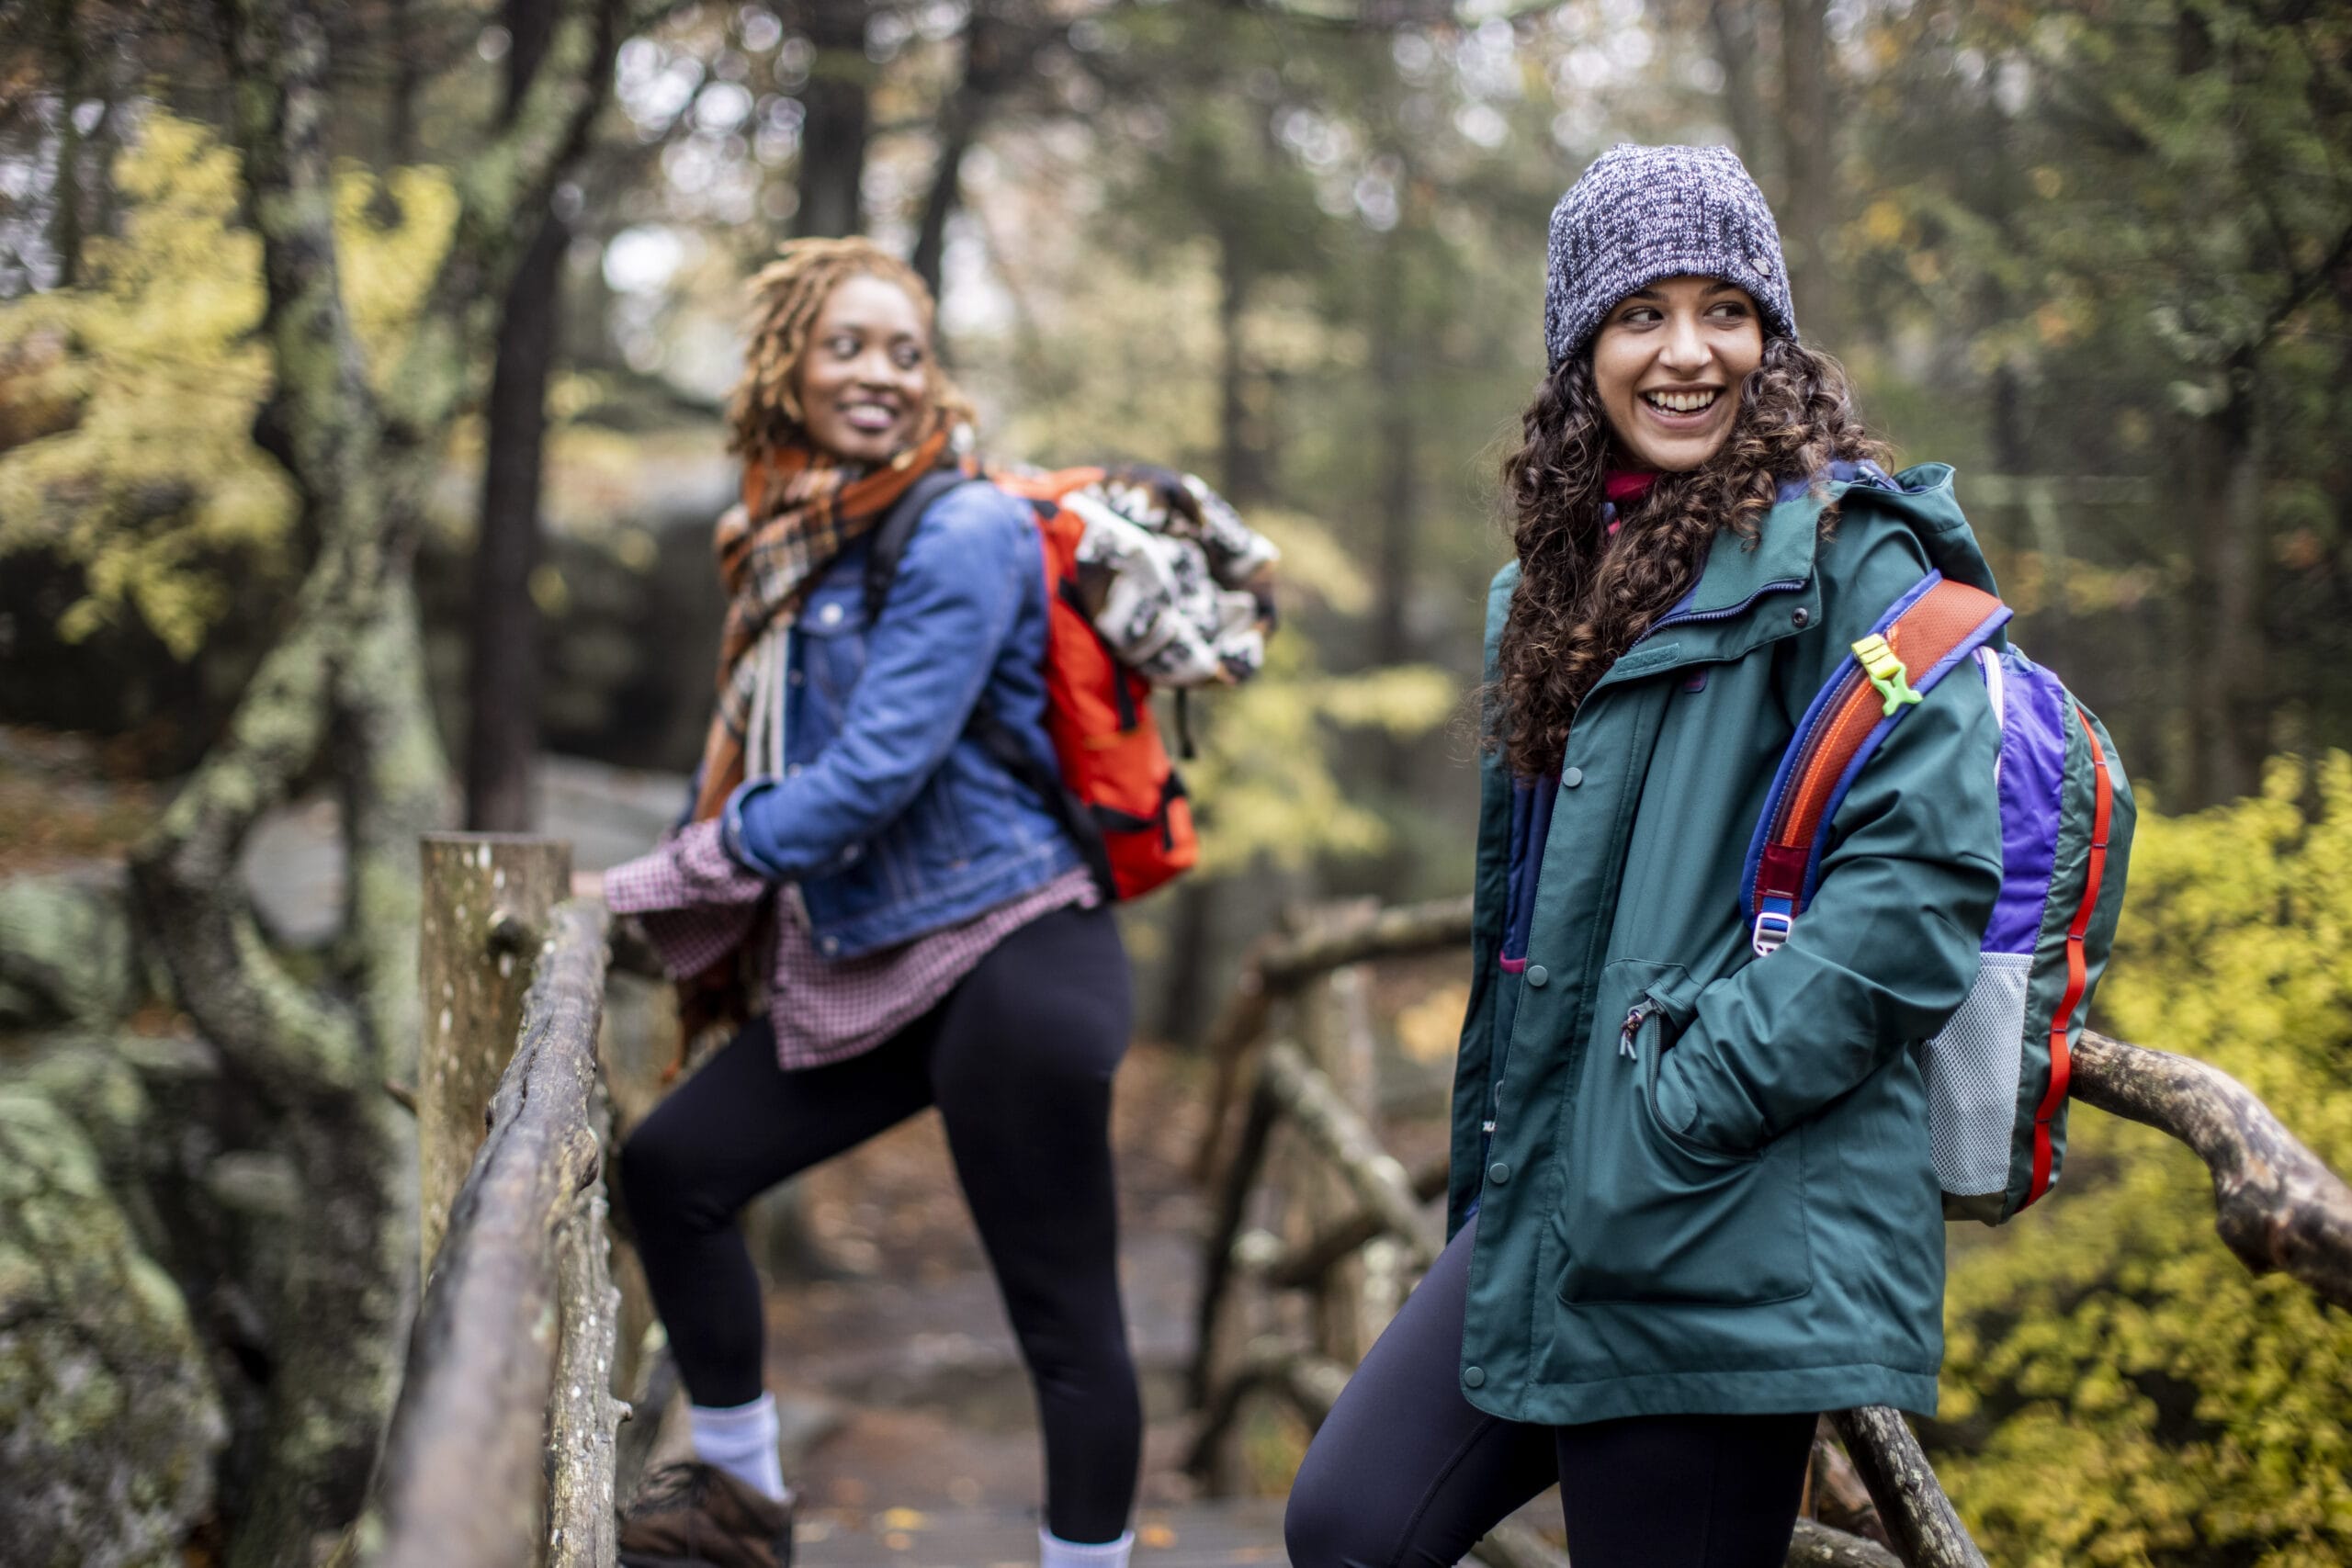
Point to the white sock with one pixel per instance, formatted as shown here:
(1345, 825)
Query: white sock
(740, 1439)
(1053, 1552)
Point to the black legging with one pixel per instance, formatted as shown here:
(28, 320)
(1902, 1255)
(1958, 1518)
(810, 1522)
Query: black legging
(1407, 1473)
(1019, 1059)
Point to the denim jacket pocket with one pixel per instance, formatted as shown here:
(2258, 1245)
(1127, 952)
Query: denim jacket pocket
(829, 637)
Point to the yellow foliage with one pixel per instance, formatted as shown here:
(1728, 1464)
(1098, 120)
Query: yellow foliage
(2119, 1390)
(1314, 564)
(1430, 1029)
(152, 482)
(387, 269)
(1126, 366)
(1264, 784)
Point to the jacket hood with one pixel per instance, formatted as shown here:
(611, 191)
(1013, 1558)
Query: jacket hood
(1922, 498)
(1919, 499)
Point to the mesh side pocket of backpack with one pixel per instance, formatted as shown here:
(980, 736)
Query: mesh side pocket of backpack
(1971, 1070)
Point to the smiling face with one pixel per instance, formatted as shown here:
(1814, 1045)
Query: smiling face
(865, 373)
(1668, 363)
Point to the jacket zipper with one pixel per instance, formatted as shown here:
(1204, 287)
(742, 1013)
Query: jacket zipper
(1643, 1010)
(1638, 1016)
(1690, 617)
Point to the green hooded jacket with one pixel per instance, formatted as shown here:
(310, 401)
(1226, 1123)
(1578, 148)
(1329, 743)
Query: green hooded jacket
(1733, 1208)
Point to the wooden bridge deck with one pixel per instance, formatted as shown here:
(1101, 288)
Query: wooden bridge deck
(1191, 1535)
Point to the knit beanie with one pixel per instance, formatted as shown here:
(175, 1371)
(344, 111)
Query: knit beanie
(1643, 213)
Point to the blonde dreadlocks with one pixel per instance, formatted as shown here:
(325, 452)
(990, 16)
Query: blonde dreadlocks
(763, 413)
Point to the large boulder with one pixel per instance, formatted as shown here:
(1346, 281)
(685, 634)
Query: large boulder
(109, 1419)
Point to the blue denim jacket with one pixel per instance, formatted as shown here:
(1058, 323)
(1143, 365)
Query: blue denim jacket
(891, 819)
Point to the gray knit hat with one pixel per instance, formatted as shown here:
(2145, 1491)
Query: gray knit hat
(1642, 213)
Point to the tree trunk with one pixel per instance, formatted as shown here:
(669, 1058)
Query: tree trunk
(342, 689)
(503, 682)
(1399, 479)
(930, 230)
(1240, 444)
(408, 79)
(1184, 983)
(66, 194)
(2229, 706)
(959, 127)
(1733, 24)
(834, 126)
(502, 643)
(1183, 1011)
(1807, 209)
(1396, 504)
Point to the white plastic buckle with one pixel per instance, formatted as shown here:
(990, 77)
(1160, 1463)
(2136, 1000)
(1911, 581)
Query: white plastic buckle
(1772, 928)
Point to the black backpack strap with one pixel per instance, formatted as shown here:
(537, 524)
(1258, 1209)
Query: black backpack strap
(997, 738)
(897, 530)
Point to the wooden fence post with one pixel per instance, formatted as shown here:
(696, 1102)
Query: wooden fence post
(487, 900)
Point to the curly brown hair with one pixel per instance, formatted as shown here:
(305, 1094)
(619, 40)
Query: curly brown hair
(1584, 597)
(763, 413)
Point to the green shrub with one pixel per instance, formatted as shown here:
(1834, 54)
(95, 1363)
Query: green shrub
(2118, 1388)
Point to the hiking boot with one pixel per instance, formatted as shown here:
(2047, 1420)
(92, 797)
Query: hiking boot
(695, 1516)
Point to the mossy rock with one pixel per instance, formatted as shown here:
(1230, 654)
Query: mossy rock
(67, 950)
(110, 1419)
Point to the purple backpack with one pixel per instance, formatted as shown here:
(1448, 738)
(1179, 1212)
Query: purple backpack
(1997, 1073)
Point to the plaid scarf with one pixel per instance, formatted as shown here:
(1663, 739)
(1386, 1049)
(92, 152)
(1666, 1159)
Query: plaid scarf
(801, 508)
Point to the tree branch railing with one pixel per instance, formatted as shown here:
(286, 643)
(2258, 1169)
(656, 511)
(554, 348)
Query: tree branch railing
(502, 1448)
(1291, 961)
(2278, 1208)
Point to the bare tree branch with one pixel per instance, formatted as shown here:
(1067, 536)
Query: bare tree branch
(2276, 1205)
(1353, 933)
(1380, 1184)
(500, 191)
(1925, 1527)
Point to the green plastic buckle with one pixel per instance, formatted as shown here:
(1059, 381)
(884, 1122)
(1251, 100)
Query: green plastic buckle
(1887, 673)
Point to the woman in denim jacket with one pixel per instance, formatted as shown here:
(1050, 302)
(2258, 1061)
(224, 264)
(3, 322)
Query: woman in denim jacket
(891, 919)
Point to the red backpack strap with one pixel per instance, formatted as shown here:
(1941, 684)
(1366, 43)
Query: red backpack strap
(1922, 635)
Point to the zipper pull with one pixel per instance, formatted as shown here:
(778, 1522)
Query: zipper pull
(1633, 1022)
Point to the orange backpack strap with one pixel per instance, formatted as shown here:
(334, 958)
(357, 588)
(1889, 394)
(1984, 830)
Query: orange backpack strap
(1920, 639)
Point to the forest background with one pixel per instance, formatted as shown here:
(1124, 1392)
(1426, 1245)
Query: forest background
(2098, 255)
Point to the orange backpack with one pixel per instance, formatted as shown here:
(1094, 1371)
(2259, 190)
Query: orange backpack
(1118, 796)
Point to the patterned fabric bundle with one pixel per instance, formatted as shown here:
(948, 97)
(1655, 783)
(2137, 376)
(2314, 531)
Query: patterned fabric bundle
(1165, 570)
(800, 510)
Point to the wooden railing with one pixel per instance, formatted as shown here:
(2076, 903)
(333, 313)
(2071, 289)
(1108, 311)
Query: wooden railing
(502, 1449)
(505, 1451)
(1356, 1226)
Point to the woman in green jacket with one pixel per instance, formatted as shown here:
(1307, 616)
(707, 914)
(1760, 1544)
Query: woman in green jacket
(1693, 1202)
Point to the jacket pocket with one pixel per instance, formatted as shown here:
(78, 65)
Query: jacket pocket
(831, 633)
(1648, 1218)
